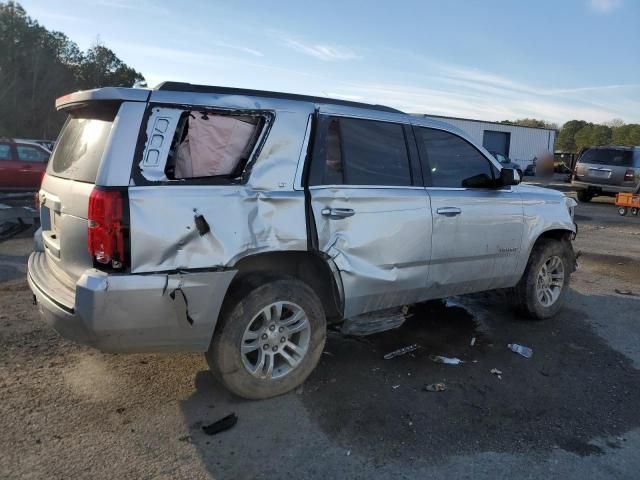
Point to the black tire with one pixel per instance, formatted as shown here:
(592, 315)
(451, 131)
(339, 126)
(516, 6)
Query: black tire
(526, 292)
(584, 196)
(245, 302)
(622, 211)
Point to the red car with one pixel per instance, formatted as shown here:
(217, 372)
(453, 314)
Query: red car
(22, 164)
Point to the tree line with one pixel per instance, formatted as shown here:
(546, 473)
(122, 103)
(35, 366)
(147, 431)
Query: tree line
(576, 135)
(38, 65)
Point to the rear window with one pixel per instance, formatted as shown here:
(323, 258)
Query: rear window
(608, 156)
(80, 146)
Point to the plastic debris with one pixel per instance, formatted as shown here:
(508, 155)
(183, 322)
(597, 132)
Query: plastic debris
(348, 453)
(446, 360)
(497, 372)
(435, 387)
(395, 386)
(623, 292)
(221, 425)
(401, 351)
(526, 352)
(473, 341)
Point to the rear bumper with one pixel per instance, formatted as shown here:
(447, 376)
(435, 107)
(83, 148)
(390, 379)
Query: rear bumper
(599, 187)
(131, 313)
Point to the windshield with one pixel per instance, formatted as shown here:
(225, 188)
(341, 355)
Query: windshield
(608, 156)
(79, 148)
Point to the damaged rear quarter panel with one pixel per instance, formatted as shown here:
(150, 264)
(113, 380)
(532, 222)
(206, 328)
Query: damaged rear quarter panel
(242, 221)
(262, 214)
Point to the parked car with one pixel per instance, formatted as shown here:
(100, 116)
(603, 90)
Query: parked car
(507, 162)
(606, 171)
(22, 164)
(240, 223)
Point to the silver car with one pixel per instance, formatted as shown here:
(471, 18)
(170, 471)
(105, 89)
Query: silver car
(240, 223)
(606, 171)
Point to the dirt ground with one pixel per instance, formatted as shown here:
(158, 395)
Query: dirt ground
(571, 411)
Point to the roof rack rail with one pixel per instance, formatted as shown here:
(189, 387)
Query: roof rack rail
(188, 87)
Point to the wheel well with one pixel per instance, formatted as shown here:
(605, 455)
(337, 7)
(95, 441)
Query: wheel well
(308, 267)
(558, 234)
(561, 235)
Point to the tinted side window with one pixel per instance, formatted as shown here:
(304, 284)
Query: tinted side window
(5, 151)
(28, 153)
(451, 159)
(362, 152)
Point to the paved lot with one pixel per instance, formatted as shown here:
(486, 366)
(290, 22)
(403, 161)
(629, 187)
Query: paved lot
(571, 411)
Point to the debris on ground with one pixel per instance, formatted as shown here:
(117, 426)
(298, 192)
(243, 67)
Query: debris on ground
(348, 453)
(473, 341)
(446, 360)
(435, 387)
(497, 372)
(221, 425)
(526, 352)
(401, 351)
(395, 386)
(623, 292)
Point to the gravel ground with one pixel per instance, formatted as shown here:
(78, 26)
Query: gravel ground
(571, 411)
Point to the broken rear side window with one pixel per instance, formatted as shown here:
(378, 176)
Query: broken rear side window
(195, 144)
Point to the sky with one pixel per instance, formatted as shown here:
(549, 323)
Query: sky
(489, 59)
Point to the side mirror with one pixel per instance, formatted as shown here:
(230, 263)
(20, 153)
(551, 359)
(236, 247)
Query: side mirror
(478, 181)
(508, 177)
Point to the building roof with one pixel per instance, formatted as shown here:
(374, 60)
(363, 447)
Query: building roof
(483, 121)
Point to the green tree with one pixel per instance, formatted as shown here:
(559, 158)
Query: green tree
(38, 65)
(566, 137)
(592, 135)
(530, 122)
(626, 135)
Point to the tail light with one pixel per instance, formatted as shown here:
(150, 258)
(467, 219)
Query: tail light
(628, 175)
(106, 227)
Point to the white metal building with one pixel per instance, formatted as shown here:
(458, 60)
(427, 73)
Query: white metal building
(520, 144)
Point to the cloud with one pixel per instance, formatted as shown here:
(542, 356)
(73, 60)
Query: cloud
(240, 48)
(455, 90)
(605, 6)
(327, 53)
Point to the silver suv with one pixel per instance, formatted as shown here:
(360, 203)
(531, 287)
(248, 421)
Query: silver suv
(606, 171)
(240, 223)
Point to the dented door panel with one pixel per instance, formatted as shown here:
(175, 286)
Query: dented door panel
(382, 249)
(241, 221)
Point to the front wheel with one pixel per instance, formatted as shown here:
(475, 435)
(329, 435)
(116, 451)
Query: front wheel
(584, 196)
(622, 211)
(269, 339)
(542, 289)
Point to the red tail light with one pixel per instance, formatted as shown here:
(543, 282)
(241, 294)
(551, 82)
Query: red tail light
(106, 229)
(628, 176)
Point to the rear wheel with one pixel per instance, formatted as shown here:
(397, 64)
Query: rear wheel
(269, 339)
(584, 196)
(542, 289)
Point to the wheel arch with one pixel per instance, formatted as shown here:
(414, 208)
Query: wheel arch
(558, 234)
(311, 268)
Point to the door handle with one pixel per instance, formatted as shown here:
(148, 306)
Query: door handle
(338, 212)
(449, 211)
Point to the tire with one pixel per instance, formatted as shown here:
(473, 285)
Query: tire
(584, 196)
(634, 211)
(622, 211)
(245, 316)
(527, 290)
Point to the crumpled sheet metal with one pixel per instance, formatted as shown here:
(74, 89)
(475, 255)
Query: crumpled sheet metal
(373, 275)
(242, 222)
